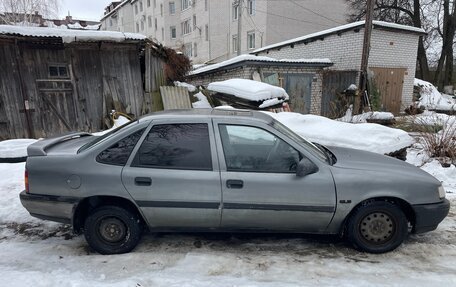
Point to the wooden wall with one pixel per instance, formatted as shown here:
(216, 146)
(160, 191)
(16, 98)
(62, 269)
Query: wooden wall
(101, 77)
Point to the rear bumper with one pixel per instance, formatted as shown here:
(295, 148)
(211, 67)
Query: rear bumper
(48, 207)
(428, 216)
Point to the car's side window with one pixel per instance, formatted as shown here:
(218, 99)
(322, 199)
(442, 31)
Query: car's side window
(176, 146)
(252, 149)
(119, 153)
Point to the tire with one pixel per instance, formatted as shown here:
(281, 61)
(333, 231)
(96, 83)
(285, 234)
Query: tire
(377, 227)
(123, 235)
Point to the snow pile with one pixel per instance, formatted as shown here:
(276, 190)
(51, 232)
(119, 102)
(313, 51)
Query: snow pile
(369, 137)
(202, 102)
(189, 87)
(432, 99)
(364, 117)
(251, 90)
(69, 35)
(15, 148)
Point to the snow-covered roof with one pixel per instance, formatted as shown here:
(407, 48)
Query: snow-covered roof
(377, 24)
(69, 35)
(253, 58)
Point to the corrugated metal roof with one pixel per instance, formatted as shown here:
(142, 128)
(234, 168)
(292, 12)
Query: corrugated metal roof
(175, 98)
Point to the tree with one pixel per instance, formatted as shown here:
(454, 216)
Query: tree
(406, 12)
(27, 12)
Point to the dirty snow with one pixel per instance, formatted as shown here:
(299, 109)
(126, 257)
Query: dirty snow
(432, 99)
(248, 89)
(120, 121)
(364, 117)
(40, 253)
(369, 137)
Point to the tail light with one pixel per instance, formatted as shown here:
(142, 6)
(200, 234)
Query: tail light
(26, 181)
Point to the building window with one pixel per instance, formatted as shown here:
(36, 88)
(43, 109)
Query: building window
(206, 32)
(235, 44)
(161, 10)
(173, 32)
(137, 27)
(163, 34)
(149, 21)
(185, 27)
(251, 7)
(148, 3)
(251, 40)
(141, 7)
(136, 8)
(155, 3)
(142, 25)
(172, 8)
(195, 49)
(156, 24)
(188, 50)
(205, 5)
(110, 22)
(185, 4)
(235, 11)
(194, 22)
(58, 71)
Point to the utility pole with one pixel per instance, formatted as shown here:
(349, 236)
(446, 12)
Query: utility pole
(239, 32)
(365, 56)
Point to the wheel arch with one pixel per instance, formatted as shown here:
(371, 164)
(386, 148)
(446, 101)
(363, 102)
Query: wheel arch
(88, 204)
(402, 204)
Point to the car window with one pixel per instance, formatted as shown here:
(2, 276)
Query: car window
(119, 153)
(176, 146)
(98, 139)
(252, 149)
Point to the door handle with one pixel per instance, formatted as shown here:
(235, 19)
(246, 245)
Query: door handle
(234, 184)
(143, 181)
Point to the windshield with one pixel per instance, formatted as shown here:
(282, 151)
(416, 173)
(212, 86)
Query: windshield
(97, 139)
(300, 140)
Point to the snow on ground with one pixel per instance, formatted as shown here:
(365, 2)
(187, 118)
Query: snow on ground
(37, 253)
(15, 148)
(40, 253)
(370, 137)
(364, 117)
(432, 99)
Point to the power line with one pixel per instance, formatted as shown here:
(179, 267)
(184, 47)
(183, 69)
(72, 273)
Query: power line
(316, 13)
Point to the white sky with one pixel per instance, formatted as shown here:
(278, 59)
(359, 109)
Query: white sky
(83, 9)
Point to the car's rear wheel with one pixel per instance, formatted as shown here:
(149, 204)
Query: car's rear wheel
(112, 230)
(377, 227)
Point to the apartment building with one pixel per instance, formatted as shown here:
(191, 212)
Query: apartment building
(208, 30)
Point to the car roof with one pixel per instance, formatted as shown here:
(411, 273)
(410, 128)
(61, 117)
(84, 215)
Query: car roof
(205, 113)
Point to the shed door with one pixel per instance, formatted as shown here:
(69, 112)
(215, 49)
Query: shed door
(335, 82)
(299, 88)
(389, 82)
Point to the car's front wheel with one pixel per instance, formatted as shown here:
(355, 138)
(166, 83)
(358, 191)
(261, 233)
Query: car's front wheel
(112, 230)
(377, 227)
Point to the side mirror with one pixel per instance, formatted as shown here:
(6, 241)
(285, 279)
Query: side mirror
(306, 167)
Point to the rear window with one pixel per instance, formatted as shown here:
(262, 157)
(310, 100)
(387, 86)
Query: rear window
(119, 153)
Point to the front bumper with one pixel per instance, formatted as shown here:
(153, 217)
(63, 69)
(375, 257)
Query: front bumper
(428, 216)
(48, 207)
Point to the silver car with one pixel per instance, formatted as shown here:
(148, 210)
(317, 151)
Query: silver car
(229, 171)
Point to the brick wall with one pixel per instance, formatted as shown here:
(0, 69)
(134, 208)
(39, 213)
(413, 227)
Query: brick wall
(388, 50)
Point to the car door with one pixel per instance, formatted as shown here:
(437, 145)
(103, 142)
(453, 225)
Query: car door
(174, 175)
(260, 188)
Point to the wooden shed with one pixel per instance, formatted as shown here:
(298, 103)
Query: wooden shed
(56, 80)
